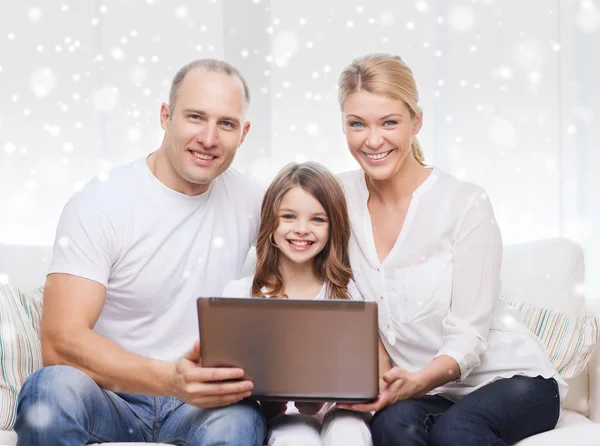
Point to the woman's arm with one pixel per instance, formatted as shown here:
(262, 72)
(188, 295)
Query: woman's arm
(476, 259)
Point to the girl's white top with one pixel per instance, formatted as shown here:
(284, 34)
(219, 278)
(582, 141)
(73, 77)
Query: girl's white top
(438, 290)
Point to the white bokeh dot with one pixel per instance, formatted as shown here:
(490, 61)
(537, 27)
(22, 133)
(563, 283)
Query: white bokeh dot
(285, 46)
(503, 133)
(218, 242)
(3, 278)
(34, 14)
(9, 148)
(39, 415)
(387, 19)
(588, 17)
(181, 12)
(64, 241)
(312, 129)
(68, 147)
(422, 6)
(106, 99)
(117, 53)
(42, 82)
(461, 18)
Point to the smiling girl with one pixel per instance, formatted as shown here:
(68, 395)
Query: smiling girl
(302, 253)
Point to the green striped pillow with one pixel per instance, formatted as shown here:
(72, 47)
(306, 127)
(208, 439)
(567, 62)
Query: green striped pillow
(569, 340)
(20, 349)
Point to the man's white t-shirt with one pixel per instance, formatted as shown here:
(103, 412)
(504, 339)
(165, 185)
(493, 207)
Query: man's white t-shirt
(156, 251)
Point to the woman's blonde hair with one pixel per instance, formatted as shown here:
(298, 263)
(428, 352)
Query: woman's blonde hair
(386, 75)
(332, 264)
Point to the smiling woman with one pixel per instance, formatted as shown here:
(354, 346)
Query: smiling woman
(427, 248)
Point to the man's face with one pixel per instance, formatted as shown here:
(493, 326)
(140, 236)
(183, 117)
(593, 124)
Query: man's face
(204, 128)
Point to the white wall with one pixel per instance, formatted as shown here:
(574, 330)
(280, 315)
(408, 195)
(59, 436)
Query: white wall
(509, 90)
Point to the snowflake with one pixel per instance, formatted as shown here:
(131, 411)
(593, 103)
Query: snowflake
(106, 99)
(285, 45)
(42, 82)
(3, 278)
(117, 53)
(9, 148)
(181, 12)
(64, 242)
(39, 416)
(218, 242)
(67, 147)
(387, 19)
(34, 14)
(312, 129)
(588, 17)
(503, 133)
(461, 18)
(422, 6)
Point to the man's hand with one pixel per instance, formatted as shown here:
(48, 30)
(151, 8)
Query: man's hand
(205, 387)
(399, 385)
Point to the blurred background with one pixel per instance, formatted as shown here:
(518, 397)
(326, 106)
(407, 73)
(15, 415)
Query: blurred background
(509, 90)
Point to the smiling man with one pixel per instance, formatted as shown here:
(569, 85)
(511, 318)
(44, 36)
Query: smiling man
(119, 331)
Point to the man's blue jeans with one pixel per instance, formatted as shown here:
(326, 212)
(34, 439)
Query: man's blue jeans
(62, 406)
(499, 414)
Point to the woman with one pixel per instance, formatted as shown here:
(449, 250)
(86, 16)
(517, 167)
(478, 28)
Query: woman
(426, 246)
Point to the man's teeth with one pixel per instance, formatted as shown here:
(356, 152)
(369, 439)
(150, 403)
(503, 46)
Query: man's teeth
(202, 156)
(378, 156)
(299, 243)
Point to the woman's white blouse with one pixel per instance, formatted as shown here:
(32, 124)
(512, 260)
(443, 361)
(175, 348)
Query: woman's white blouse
(438, 288)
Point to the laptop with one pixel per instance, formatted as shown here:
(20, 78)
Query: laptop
(294, 350)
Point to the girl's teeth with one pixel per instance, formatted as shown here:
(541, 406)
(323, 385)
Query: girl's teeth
(202, 156)
(378, 156)
(298, 243)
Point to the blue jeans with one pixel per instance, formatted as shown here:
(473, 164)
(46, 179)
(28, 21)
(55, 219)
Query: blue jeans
(62, 406)
(498, 414)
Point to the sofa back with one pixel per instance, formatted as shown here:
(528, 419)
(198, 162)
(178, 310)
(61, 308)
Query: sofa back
(549, 273)
(546, 273)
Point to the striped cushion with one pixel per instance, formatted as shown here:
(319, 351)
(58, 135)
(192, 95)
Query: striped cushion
(569, 340)
(20, 349)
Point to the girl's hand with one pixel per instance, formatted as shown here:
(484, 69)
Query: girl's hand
(308, 408)
(399, 385)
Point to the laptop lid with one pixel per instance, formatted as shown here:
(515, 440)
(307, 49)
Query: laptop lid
(300, 350)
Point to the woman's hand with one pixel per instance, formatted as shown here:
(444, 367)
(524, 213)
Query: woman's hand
(399, 385)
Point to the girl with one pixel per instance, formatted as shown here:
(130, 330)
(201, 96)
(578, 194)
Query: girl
(302, 253)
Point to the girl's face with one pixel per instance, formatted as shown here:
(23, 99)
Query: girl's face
(303, 226)
(379, 132)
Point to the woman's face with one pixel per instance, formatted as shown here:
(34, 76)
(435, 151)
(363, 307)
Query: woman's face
(379, 132)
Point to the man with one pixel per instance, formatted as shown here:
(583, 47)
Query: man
(132, 253)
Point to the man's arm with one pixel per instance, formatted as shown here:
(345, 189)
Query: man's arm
(72, 306)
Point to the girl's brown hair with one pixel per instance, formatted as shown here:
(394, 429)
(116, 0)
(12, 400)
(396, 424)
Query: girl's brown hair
(332, 264)
(386, 75)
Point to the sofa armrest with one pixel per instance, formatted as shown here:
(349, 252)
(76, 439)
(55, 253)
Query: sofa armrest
(593, 309)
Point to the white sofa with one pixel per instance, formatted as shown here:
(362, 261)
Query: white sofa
(545, 273)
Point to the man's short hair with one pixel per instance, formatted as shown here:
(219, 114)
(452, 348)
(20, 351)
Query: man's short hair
(211, 65)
